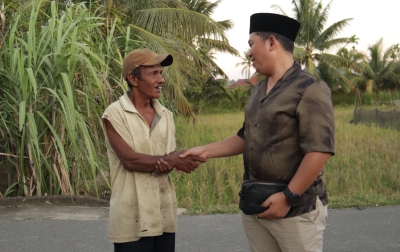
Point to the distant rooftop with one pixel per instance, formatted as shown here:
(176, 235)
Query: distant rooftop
(245, 82)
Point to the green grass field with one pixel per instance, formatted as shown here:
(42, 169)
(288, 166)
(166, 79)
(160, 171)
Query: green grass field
(364, 171)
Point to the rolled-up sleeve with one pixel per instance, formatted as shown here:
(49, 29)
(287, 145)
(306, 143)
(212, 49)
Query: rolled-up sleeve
(240, 133)
(316, 119)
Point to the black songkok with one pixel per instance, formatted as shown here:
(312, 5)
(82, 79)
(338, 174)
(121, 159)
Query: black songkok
(269, 22)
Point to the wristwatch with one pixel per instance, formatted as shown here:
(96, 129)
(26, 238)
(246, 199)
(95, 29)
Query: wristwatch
(292, 198)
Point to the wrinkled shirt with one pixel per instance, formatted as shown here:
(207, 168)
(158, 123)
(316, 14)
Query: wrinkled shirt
(142, 204)
(293, 119)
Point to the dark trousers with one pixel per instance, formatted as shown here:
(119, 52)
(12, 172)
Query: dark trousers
(162, 243)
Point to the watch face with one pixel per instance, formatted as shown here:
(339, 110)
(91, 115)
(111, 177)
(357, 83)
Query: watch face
(294, 199)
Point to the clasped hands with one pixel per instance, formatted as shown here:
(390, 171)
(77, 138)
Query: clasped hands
(187, 164)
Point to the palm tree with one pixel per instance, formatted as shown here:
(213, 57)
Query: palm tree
(352, 55)
(337, 83)
(207, 8)
(379, 69)
(206, 47)
(246, 63)
(313, 40)
(353, 40)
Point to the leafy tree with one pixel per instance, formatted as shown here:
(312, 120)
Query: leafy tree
(314, 40)
(238, 96)
(380, 69)
(204, 91)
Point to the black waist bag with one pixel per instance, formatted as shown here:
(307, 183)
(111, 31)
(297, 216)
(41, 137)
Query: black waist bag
(255, 192)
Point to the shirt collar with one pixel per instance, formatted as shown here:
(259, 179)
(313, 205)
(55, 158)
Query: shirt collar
(291, 73)
(127, 105)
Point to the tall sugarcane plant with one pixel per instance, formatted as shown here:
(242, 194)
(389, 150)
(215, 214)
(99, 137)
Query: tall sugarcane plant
(57, 74)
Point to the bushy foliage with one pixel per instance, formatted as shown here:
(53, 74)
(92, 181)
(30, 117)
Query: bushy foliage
(59, 70)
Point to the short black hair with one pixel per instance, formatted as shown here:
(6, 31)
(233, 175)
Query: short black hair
(286, 43)
(136, 73)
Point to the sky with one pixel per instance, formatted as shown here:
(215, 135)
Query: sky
(372, 20)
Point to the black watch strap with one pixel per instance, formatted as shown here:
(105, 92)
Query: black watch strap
(292, 198)
(287, 192)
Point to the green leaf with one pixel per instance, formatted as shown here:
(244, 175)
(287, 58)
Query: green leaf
(22, 114)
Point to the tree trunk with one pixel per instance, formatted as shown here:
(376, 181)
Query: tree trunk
(377, 93)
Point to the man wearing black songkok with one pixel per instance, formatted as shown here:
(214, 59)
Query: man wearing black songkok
(288, 135)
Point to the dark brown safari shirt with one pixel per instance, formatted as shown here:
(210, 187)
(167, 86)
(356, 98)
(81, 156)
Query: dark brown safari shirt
(294, 118)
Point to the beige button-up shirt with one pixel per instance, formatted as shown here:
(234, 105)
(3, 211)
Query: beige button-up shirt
(142, 204)
(294, 118)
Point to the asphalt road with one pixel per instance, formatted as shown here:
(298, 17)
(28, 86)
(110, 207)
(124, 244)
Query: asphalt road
(70, 229)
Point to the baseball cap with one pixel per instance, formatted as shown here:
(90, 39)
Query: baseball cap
(143, 57)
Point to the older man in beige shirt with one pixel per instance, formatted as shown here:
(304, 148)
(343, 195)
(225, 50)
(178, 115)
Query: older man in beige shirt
(139, 133)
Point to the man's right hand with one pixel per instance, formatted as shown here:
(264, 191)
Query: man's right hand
(199, 151)
(231, 146)
(186, 164)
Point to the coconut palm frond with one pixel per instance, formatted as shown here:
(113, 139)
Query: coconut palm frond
(330, 33)
(218, 45)
(335, 77)
(226, 24)
(169, 21)
(339, 61)
(279, 9)
(331, 43)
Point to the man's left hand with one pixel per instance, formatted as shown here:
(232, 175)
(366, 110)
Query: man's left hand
(277, 206)
(163, 167)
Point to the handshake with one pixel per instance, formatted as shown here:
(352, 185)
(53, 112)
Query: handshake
(184, 161)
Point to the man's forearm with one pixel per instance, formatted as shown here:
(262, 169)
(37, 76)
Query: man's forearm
(147, 163)
(309, 169)
(140, 162)
(231, 146)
